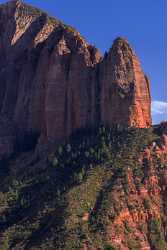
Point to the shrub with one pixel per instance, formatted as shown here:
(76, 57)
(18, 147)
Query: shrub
(55, 162)
(109, 247)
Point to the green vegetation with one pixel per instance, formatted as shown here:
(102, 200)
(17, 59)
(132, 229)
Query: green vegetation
(53, 21)
(69, 28)
(156, 235)
(134, 244)
(109, 247)
(69, 197)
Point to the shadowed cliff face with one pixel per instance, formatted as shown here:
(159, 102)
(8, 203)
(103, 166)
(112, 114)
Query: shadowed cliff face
(53, 82)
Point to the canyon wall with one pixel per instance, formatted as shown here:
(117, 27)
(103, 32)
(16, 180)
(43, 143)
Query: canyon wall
(52, 82)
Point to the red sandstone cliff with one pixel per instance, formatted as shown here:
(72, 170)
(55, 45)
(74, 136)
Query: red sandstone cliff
(53, 82)
(145, 207)
(125, 90)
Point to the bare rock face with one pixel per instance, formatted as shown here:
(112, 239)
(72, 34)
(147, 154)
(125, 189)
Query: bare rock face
(52, 82)
(125, 91)
(7, 138)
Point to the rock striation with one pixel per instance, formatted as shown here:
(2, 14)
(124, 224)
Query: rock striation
(125, 90)
(52, 82)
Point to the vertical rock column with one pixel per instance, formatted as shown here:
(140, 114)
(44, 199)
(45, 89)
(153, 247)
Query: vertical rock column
(125, 92)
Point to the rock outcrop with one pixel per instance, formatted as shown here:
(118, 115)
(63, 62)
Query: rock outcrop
(52, 82)
(125, 91)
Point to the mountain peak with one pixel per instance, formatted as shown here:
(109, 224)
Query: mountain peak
(120, 39)
(21, 8)
(123, 44)
(46, 58)
(15, 3)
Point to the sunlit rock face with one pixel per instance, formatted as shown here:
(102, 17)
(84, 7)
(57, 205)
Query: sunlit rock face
(125, 90)
(52, 82)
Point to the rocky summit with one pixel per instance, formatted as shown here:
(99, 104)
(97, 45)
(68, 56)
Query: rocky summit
(52, 82)
(81, 166)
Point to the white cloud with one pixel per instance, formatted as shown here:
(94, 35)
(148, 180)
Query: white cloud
(159, 108)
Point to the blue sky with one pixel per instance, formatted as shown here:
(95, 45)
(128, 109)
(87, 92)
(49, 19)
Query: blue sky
(142, 22)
